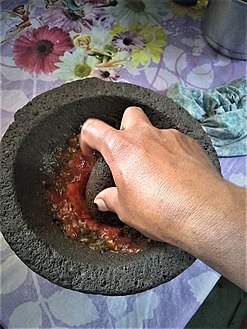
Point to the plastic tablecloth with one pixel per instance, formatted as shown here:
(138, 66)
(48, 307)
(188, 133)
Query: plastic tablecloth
(149, 43)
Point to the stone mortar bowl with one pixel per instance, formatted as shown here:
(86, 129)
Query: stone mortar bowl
(29, 146)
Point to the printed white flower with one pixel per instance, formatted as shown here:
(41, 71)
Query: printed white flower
(117, 307)
(128, 12)
(107, 74)
(99, 38)
(74, 66)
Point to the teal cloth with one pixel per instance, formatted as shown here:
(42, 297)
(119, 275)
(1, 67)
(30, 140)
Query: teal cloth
(222, 112)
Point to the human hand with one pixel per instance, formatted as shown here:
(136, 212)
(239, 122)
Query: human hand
(163, 178)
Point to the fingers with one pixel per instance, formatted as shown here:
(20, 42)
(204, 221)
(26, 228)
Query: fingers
(86, 149)
(96, 135)
(133, 116)
(107, 200)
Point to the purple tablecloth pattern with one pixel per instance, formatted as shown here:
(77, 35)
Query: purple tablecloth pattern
(149, 43)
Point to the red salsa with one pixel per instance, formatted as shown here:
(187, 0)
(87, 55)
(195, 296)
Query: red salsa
(67, 199)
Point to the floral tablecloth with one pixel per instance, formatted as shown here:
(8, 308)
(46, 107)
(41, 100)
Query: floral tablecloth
(150, 43)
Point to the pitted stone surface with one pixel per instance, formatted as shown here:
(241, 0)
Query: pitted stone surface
(28, 153)
(100, 179)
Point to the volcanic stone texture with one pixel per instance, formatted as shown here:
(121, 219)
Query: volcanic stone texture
(28, 158)
(100, 179)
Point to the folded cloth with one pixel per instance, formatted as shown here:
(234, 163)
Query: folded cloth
(222, 112)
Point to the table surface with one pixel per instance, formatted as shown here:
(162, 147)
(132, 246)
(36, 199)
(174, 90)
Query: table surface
(167, 47)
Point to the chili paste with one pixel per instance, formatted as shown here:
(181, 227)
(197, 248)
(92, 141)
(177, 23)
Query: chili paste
(68, 202)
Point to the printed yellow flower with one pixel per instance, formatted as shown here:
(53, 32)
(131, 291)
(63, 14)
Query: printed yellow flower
(193, 11)
(153, 39)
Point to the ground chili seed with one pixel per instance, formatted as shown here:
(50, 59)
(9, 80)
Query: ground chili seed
(67, 199)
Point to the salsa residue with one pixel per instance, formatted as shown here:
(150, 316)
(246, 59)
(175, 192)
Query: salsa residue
(67, 199)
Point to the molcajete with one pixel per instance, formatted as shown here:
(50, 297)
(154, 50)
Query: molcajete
(28, 154)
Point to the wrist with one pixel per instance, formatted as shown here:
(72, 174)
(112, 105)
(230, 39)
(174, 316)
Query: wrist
(221, 212)
(218, 235)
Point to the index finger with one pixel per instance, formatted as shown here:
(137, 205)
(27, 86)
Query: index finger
(133, 116)
(97, 135)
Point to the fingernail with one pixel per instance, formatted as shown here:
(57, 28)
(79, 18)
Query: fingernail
(100, 204)
(85, 125)
(89, 123)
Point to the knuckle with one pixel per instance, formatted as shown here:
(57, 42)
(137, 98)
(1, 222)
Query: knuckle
(109, 138)
(172, 133)
(175, 132)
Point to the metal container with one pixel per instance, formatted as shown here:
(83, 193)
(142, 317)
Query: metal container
(225, 25)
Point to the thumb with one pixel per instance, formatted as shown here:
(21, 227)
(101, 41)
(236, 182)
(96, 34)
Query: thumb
(107, 200)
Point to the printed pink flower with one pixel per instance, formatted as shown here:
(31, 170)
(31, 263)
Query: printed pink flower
(39, 49)
(79, 18)
(128, 41)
